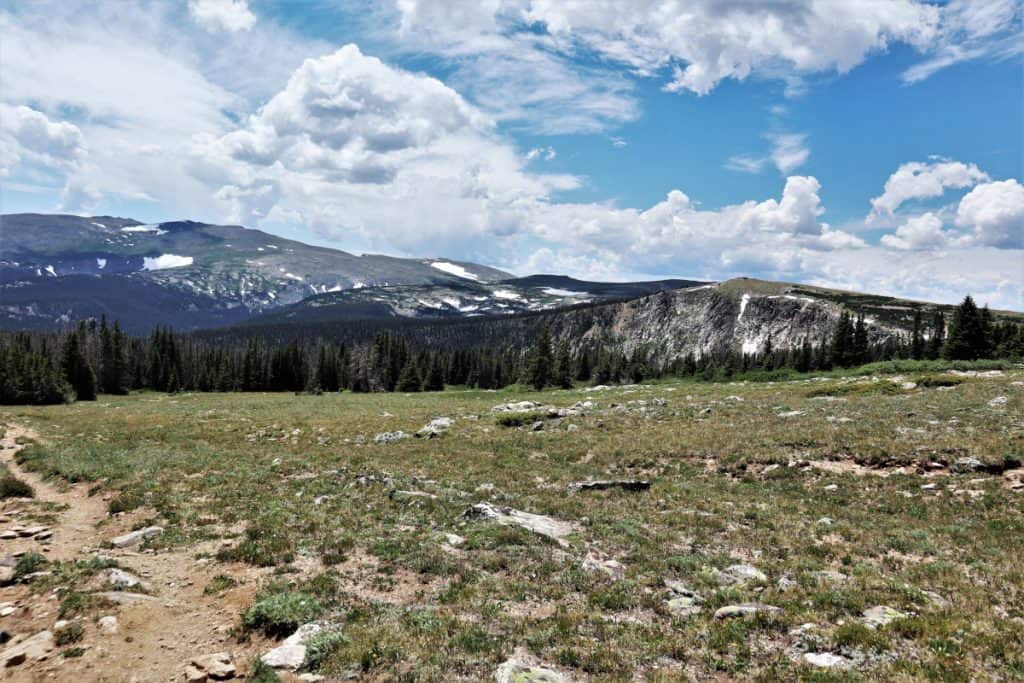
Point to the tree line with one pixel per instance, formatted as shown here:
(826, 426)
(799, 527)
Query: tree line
(96, 357)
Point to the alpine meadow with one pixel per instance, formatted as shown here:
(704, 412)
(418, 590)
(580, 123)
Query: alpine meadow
(518, 341)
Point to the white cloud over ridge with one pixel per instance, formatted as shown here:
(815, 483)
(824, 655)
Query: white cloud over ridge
(924, 180)
(370, 156)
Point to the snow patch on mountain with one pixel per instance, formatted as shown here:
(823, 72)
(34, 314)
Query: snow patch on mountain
(743, 306)
(554, 291)
(144, 228)
(164, 261)
(453, 269)
(506, 294)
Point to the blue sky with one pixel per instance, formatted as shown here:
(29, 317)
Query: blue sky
(874, 145)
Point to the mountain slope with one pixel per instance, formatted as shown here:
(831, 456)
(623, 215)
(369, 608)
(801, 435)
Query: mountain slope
(190, 274)
(738, 315)
(461, 299)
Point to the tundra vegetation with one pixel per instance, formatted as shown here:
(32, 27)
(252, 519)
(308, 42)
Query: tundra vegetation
(841, 526)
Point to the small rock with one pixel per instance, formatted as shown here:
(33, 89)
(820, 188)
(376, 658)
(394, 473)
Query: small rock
(786, 584)
(832, 487)
(124, 598)
(747, 609)
(292, 652)
(108, 624)
(965, 465)
(602, 485)
(118, 578)
(390, 437)
(998, 401)
(522, 667)
(399, 496)
(597, 561)
(537, 426)
(454, 540)
(33, 648)
(881, 615)
(516, 407)
(827, 660)
(825, 521)
(435, 427)
(739, 574)
(217, 666)
(136, 537)
(539, 524)
(6, 576)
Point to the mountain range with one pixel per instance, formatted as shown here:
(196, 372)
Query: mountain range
(57, 269)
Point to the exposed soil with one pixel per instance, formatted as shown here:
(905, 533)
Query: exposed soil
(156, 638)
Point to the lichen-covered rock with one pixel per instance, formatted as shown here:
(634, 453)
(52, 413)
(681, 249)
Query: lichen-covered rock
(747, 609)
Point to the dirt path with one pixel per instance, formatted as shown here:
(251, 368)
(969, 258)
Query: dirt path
(156, 635)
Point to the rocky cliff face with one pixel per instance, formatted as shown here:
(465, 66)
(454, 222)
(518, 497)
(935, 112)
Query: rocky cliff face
(738, 315)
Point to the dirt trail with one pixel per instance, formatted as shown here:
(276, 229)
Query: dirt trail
(156, 637)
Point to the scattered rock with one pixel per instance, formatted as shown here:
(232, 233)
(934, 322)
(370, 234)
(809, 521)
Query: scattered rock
(137, 537)
(6, 576)
(108, 624)
(537, 426)
(832, 487)
(602, 485)
(522, 667)
(125, 598)
(998, 401)
(120, 579)
(786, 584)
(791, 413)
(740, 574)
(436, 427)
(217, 667)
(454, 540)
(966, 465)
(390, 437)
(552, 528)
(398, 495)
(517, 407)
(597, 561)
(682, 601)
(827, 660)
(825, 521)
(33, 648)
(881, 615)
(291, 653)
(747, 609)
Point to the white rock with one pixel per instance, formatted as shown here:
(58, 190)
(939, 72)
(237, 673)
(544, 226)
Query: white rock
(998, 401)
(32, 648)
(827, 660)
(108, 624)
(539, 524)
(291, 653)
(739, 574)
(136, 537)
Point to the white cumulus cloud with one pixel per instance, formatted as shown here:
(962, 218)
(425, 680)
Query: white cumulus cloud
(923, 180)
(222, 15)
(994, 212)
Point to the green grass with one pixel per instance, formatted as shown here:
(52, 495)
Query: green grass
(310, 512)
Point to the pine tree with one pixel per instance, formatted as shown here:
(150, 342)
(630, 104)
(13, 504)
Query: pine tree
(77, 371)
(539, 363)
(917, 337)
(967, 339)
(409, 380)
(561, 375)
(937, 340)
(434, 380)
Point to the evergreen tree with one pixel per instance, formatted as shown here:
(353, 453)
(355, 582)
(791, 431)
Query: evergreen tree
(937, 340)
(967, 339)
(561, 375)
(77, 371)
(434, 380)
(409, 380)
(917, 337)
(539, 362)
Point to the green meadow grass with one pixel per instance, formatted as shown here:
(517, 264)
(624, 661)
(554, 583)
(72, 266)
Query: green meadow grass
(304, 479)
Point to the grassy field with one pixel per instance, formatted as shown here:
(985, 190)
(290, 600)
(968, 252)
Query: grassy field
(850, 477)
